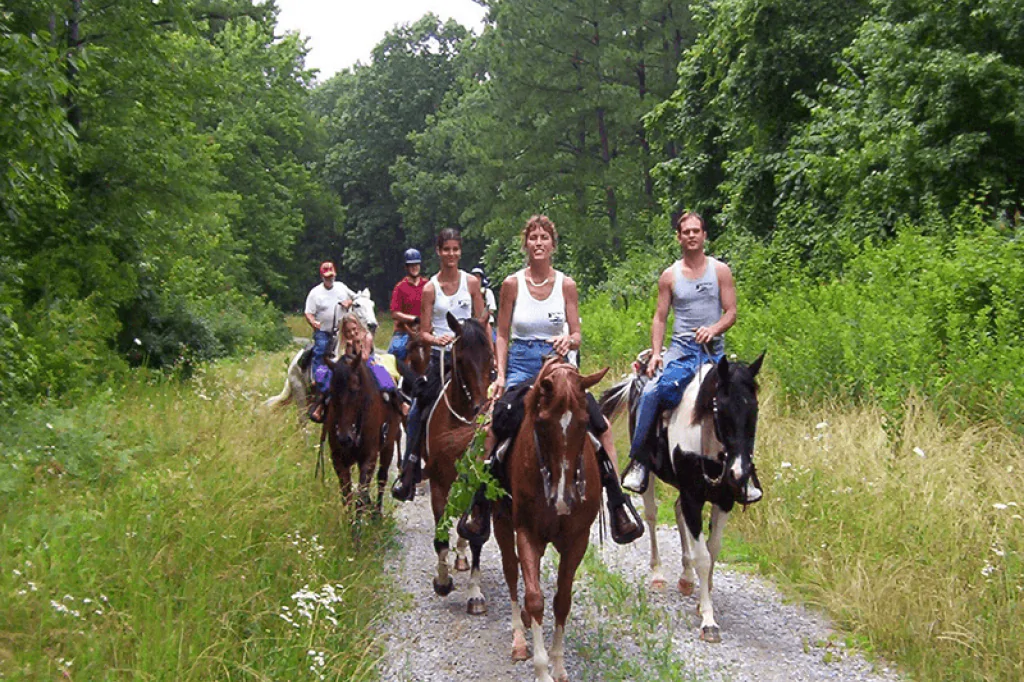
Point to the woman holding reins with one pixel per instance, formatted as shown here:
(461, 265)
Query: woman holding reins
(449, 291)
(538, 315)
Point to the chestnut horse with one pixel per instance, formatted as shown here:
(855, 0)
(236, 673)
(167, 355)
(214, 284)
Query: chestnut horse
(362, 429)
(417, 350)
(555, 487)
(449, 430)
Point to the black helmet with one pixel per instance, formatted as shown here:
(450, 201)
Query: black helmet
(412, 256)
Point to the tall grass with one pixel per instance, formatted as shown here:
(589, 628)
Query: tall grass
(171, 531)
(915, 547)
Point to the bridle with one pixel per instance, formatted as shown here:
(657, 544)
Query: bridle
(460, 384)
(545, 471)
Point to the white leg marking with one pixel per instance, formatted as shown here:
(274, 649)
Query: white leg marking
(473, 591)
(558, 654)
(651, 517)
(689, 575)
(718, 520)
(703, 562)
(442, 567)
(540, 654)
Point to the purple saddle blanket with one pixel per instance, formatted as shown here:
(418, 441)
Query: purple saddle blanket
(384, 380)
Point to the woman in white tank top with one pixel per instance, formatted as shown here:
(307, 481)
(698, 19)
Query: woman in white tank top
(538, 314)
(450, 290)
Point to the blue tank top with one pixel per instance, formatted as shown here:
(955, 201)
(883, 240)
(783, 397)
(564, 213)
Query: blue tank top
(696, 303)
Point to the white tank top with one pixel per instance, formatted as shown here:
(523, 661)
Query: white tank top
(534, 320)
(459, 304)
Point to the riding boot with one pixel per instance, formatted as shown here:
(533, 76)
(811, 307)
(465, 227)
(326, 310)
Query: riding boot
(626, 524)
(318, 410)
(475, 524)
(404, 488)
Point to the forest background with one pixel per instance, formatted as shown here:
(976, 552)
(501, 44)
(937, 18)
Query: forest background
(171, 175)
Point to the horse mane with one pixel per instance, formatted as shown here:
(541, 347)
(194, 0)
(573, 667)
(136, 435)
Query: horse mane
(739, 375)
(473, 332)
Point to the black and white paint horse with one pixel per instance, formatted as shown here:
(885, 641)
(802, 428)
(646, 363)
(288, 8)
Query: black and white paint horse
(298, 384)
(705, 452)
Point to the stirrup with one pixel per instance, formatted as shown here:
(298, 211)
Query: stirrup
(620, 535)
(476, 527)
(318, 411)
(635, 478)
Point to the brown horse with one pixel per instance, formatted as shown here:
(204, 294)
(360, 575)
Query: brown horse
(417, 350)
(449, 429)
(362, 429)
(555, 486)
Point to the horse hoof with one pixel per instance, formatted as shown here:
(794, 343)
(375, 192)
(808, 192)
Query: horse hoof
(658, 584)
(520, 653)
(685, 587)
(461, 563)
(476, 606)
(443, 590)
(711, 634)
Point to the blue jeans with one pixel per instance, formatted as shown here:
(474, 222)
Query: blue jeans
(321, 372)
(398, 345)
(666, 391)
(525, 358)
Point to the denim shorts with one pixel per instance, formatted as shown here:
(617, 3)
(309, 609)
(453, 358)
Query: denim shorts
(399, 342)
(525, 358)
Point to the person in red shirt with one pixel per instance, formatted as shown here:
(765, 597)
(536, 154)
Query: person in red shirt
(405, 303)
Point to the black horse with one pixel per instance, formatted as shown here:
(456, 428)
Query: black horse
(705, 451)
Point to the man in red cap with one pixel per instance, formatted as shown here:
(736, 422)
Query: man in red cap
(322, 314)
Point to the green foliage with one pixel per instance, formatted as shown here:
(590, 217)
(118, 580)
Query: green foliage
(472, 474)
(369, 113)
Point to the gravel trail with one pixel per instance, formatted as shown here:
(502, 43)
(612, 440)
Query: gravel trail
(614, 632)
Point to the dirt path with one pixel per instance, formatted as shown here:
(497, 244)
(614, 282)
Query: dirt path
(618, 629)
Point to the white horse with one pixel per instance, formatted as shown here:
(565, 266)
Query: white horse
(298, 384)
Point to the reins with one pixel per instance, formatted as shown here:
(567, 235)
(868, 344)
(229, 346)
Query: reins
(465, 391)
(702, 352)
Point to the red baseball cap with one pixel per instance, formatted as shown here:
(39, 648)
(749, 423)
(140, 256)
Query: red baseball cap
(327, 268)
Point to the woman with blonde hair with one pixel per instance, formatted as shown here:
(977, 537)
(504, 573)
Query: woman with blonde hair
(538, 314)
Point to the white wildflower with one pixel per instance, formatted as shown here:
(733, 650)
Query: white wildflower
(918, 451)
(786, 465)
(999, 505)
(821, 425)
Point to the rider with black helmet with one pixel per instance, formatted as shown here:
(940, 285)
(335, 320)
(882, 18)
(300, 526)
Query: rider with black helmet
(405, 302)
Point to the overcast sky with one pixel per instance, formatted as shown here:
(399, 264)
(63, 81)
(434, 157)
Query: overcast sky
(342, 32)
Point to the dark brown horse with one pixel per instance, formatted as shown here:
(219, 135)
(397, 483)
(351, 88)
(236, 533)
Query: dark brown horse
(449, 429)
(417, 350)
(362, 429)
(555, 487)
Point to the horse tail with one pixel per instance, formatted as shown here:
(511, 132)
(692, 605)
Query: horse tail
(281, 398)
(614, 399)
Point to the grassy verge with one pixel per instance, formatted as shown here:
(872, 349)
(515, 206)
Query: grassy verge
(172, 532)
(915, 547)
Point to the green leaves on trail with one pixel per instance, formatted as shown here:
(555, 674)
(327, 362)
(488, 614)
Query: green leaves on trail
(472, 474)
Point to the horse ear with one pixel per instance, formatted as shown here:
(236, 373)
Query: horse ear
(453, 324)
(591, 379)
(755, 366)
(354, 363)
(547, 387)
(723, 371)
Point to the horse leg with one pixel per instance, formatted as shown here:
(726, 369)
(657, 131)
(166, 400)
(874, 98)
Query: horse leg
(366, 470)
(530, 552)
(505, 537)
(688, 514)
(443, 583)
(658, 581)
(461, 562)
(689, 577)
(476, 604)
(344, 477)
(717, 530)
(567, 566)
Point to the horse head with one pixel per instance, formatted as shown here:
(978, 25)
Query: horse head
(729, 397)
(349, 390)
(364, 309)
(472, 361)
(558, 405)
